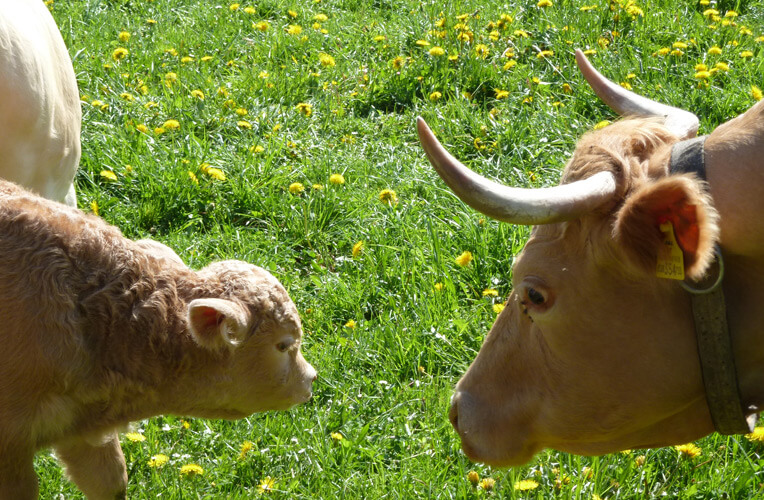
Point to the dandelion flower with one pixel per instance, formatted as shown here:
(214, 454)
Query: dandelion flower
(602, 124)
(746, 54)
(464, 259)
(171, 125)
(215, 173)
(473, 477)
(544, 54)
(510, 64)
(437, 51)
(94, 207)
(435, 96)
(244, 124)
(158, 461)
(261, 26)
(119, 53)
(127, 96)
(296, 188)
(110, 176)
(398, 62)
(756, 436)
(193, 177)
(304, 108)
(497, 308)
(544, 3)
(124, 36)
(245, 448)
(294, 29)
(714, 51)
(481, 50)
(703, 75)
(357, 249)
(438, 286)
(487, 483)
(526, 485)
(135, 437)
(756, 92)
(190, 470)
(422, 43)
(336, 436)
(141, 128)
(326, 60)
(256, 149)
(688, 450)
(350, 324)
(337, 179)
(233, 6)
(170, 78)
(388, 197)
(198, 94)
(266, 485)
(490, 292)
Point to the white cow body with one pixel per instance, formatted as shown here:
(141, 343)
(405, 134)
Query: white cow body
(40, 115)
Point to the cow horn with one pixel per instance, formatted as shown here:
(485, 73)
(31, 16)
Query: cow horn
(680, 122)
(516, 205)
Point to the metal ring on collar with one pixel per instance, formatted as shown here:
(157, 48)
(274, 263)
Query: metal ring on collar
(699, 290)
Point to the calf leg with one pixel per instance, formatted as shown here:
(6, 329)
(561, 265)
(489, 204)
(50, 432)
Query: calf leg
(97, 469)
(17, 477)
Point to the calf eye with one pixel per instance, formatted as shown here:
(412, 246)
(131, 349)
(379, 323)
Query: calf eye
(535, 296)
(283, 346)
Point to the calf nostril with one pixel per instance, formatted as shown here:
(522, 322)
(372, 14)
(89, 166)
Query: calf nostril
(315, 377)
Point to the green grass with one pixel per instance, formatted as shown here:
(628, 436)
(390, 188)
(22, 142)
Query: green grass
(385, 384)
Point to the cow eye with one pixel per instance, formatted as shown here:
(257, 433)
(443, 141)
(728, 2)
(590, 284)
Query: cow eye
(283, 346)
(535, 296)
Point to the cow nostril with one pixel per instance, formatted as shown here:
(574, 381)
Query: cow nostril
(315, 377)
(453, 414)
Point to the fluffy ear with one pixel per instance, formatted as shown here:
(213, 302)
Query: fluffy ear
(680, 200)
(217, 323)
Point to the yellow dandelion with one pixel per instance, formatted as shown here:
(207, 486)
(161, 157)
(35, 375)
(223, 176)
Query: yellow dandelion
(170, 78)
(142, 128)
(193, 177)
(388, 197)
(398, 62)
(481, 50)
(544, 3)
(257, 149)
(108, 175)
(634, 11)
(703, 75)
(215, 173)
(336, 436)
(159, 130)
(94, 207)
(326, 60)
(119, 53)
(435, 96)
(337, 179)
(304, 108)
(679, 45)
(171, 125)
(510, 64)
(746, 54)
(135, 437)
(127, 96)
(266, 485)
(249, 10)
(233, 6)
(245, 448)
(357, 249)
(124, 36)
(501, 94)
(158, 460)
(294, 29)
(422, 43)
(487, 483)
(473, 477)
(464, 259)
(526, 485)
(490, 292)
(438, 286)
(190, 470)
(186, 59)
(545, 54)
(296, 188)
(437, 51)
(688, 450)
(292, 14)
(602, 124)
(756, 92)
(521, 33)
(350, 324)
(262, 25)
(198, 94)
(244, 124)
(756, 436)
(497, 308)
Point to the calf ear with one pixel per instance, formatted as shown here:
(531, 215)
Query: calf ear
(680, 200)
(217, 323)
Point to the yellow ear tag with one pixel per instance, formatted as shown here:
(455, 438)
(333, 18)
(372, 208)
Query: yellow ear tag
(670, 256)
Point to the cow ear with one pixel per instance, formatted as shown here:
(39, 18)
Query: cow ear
(217, 323)
(641, 227)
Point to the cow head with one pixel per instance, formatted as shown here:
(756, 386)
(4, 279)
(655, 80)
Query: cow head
(593, 352)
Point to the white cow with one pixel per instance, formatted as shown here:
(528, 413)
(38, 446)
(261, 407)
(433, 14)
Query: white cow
(40, 113)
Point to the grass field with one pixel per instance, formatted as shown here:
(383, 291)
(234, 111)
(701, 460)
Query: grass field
(282, 133)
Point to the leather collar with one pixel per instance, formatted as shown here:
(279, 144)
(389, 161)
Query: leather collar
(710, 315)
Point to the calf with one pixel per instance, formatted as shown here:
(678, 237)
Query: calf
(97, 330)
(40, 111)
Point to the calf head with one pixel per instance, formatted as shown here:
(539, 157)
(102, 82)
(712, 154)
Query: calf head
(254, 326)
(593, 352)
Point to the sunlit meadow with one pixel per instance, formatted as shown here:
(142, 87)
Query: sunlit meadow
(282, 133)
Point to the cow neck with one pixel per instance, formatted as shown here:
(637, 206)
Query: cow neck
(709, 312)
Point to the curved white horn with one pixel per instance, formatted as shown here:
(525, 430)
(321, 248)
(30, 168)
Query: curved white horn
(680, 122)
(516, 205)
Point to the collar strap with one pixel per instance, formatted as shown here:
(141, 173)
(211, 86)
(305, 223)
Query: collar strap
(710, 315)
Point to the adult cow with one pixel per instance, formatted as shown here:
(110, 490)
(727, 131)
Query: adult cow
(594, 352)
(40, 113)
